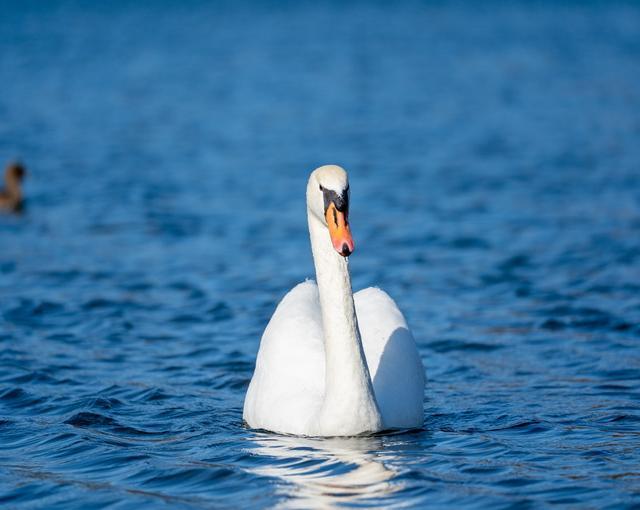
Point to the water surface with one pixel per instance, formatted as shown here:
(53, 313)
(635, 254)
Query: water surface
(494, 164)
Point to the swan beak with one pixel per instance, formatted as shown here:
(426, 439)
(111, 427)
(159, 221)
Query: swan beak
(339, 230)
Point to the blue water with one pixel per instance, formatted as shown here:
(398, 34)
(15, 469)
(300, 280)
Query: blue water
(494, 158)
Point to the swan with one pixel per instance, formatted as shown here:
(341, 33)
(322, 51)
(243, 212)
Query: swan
(332, 363)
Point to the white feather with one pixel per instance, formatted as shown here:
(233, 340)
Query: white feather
(332, 363)
(287, 388)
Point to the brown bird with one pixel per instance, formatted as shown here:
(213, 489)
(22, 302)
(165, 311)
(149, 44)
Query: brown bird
(11, 195)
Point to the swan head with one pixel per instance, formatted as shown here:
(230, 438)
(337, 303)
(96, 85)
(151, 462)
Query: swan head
(328, 201)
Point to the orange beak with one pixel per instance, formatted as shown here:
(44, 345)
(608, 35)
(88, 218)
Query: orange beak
(339, 231)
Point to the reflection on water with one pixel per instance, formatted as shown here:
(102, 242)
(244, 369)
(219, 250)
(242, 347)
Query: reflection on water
(322, 473)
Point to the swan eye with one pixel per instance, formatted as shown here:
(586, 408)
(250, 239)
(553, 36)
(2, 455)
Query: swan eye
(321, 188)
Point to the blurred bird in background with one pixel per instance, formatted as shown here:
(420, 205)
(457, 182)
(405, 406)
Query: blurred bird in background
(11, 198)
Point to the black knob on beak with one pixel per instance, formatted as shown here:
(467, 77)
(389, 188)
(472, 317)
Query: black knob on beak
(345, 251)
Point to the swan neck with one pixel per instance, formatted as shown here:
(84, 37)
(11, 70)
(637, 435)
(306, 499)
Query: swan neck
(349, 405)
(334, 286)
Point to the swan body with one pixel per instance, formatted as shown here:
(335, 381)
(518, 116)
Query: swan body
(334, 363)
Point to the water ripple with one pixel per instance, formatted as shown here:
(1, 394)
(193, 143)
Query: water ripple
(493, 155)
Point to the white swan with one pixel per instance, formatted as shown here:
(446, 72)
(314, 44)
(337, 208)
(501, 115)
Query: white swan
(331, 363)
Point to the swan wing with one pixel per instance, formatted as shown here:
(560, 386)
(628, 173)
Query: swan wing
(392, 357)
(287, 386)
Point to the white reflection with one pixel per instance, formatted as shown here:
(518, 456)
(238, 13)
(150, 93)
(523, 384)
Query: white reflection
(324, 473)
